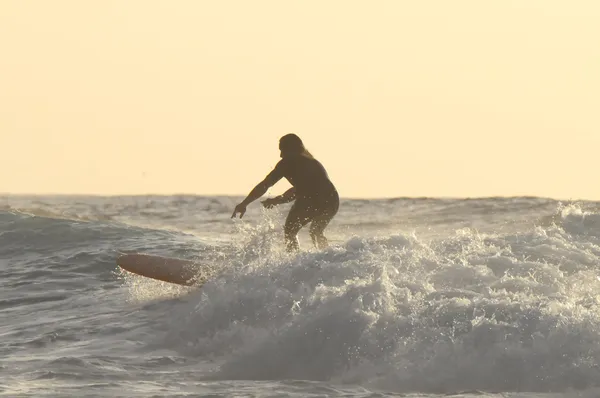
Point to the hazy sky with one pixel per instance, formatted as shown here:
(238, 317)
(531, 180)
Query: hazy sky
(396, 98)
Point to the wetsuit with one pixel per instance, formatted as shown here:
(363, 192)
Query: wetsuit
(317, 200)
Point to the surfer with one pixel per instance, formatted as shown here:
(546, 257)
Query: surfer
(316, 198)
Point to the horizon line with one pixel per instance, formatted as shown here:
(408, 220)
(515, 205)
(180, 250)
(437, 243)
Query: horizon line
(229, 195)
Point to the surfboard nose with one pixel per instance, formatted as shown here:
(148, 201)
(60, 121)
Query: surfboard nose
(166, 269)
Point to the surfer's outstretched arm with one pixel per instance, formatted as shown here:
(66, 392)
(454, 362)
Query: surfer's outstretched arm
(258, 191)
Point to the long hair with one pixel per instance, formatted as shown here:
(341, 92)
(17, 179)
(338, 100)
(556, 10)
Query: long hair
(291, 144)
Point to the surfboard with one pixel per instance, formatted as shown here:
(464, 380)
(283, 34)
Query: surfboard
(166, 269)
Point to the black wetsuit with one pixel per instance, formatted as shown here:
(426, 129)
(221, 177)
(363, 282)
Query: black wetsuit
(317, 200)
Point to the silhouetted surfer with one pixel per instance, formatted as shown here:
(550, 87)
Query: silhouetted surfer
(317, 200)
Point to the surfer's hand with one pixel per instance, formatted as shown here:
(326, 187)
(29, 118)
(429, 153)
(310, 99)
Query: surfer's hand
(269, 203)
(240, 208)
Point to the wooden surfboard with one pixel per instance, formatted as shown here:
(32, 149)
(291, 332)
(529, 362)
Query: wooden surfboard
(166, 269)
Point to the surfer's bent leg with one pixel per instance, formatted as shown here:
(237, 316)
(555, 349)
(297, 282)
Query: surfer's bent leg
(298, 217)
(321, 220)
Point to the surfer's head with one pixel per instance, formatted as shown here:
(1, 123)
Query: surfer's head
(290, 145)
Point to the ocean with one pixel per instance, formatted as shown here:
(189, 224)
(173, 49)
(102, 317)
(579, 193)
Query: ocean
(415, 297)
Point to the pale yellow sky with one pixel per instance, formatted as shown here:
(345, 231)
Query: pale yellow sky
(396, 98)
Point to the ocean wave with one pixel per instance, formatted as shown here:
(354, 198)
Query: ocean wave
(473, 306)
(470, 311)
